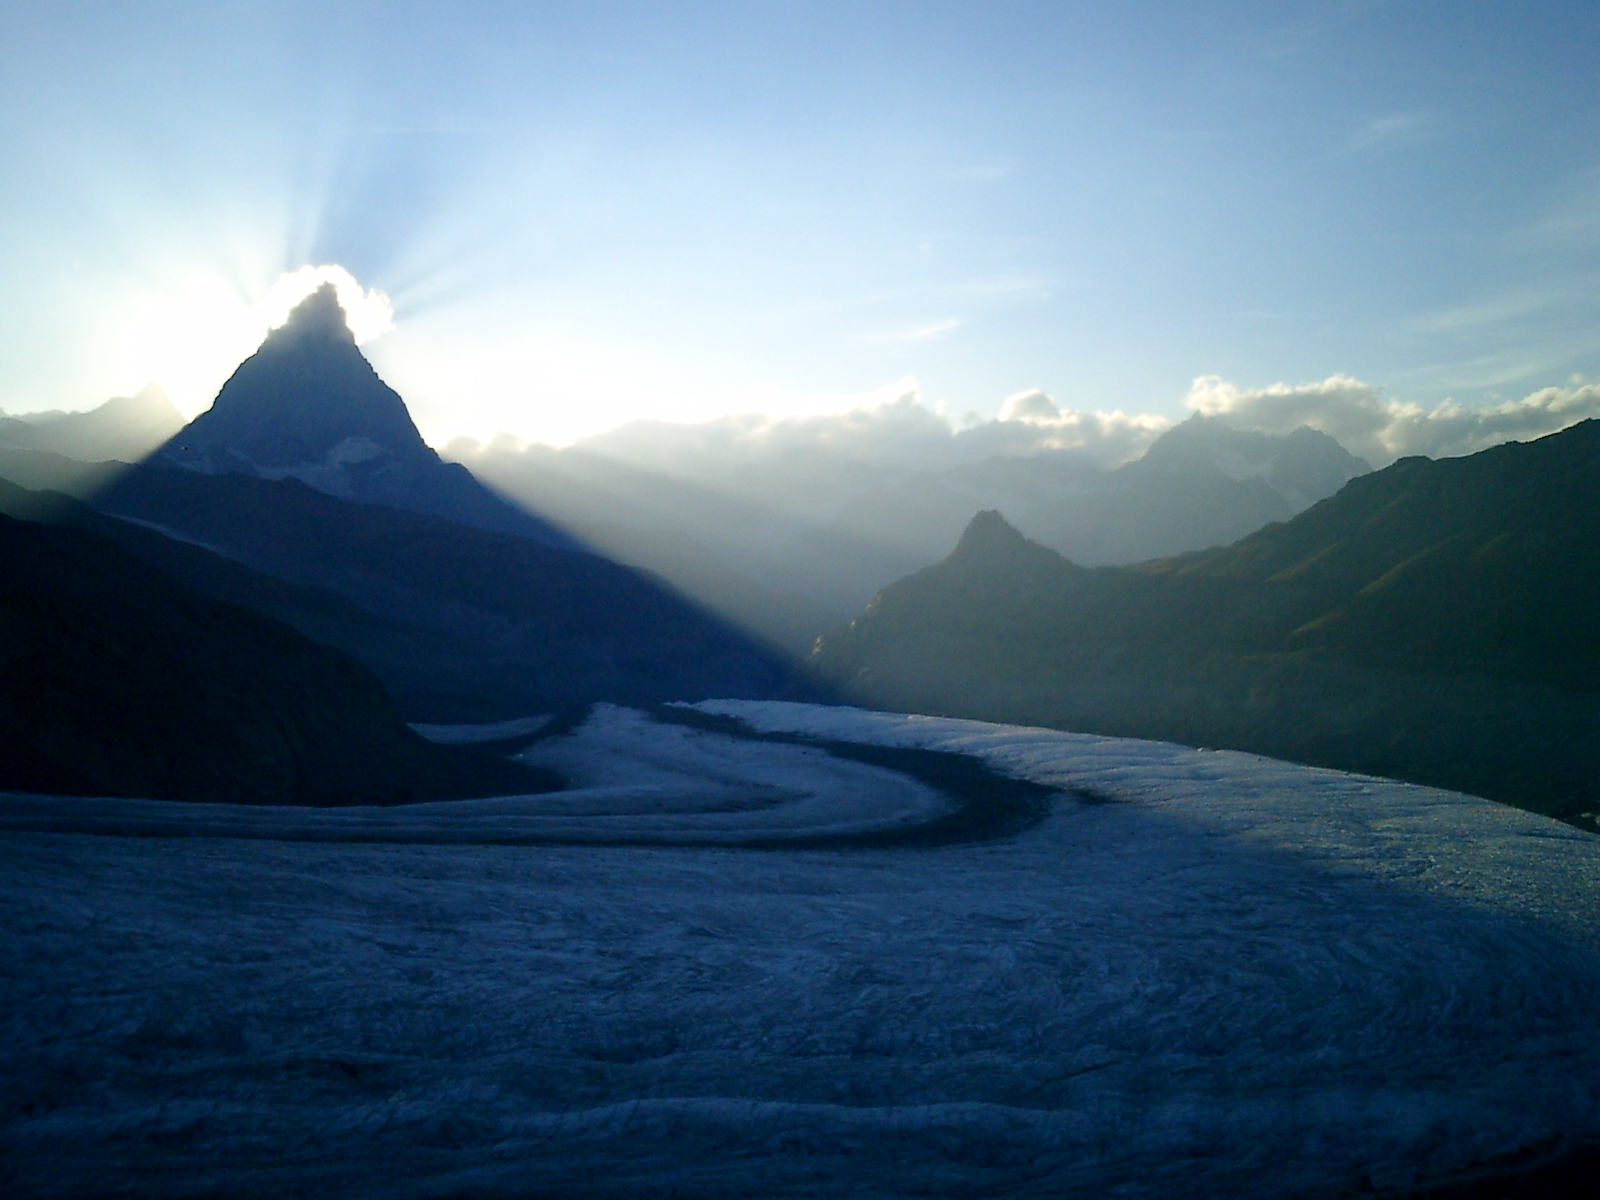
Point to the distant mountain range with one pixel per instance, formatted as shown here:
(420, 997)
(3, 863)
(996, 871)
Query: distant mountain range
(1200, 484)
(789, 546)
(780, 546)
(124, 428)
(1432, 621)
(116, 680)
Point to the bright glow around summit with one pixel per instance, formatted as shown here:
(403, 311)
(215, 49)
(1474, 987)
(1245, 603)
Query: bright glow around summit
(191, 337)
(367, 311)
(576, 215)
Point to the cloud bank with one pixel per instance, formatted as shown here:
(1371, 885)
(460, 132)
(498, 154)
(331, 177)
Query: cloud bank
(899, 432)
(367, 311)
(903, 433)
(1382, 430)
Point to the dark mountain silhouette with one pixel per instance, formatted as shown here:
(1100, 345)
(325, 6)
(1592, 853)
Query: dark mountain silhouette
(325, 616)
(1432, 621)
(308, 405)
(124, 428)
(460, 623)
(116, 680)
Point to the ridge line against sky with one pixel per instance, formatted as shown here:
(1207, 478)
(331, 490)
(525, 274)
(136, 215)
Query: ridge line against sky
(587, 215)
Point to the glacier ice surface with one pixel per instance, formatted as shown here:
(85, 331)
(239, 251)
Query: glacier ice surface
(1237, 977)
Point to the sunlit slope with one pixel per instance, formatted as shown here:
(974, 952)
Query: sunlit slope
(41, 470)
(124, 428)
(116, 680)
(1432, 621)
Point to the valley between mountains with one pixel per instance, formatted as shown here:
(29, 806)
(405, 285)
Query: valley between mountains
(370, 830)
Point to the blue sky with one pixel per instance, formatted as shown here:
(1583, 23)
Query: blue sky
(587, 213)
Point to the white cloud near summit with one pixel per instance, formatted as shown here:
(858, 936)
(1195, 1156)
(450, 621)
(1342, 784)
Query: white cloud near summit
(1382, 430)
(1032, 419)
(367, 311)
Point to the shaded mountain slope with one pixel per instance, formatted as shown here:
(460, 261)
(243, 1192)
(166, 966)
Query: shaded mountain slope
(308, 405)
(1487, 562)
(495, 625)
(1433, 621)
(116, 680)
(322, 615)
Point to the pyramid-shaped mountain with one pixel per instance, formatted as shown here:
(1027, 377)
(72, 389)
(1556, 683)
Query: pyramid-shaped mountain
(308, 405)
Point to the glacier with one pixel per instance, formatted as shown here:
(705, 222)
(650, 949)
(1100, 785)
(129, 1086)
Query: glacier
(1201, 973)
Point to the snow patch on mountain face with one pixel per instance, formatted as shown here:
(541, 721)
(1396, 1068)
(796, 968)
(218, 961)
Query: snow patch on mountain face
(1235, 978)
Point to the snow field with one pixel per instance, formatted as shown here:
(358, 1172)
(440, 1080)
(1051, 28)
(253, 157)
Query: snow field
(633, 781)
(1233, 978)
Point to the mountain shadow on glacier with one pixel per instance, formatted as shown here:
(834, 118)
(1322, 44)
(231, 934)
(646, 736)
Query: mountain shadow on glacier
(988, 805)
(462, 624)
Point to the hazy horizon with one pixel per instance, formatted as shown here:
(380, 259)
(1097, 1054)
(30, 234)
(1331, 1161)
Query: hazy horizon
(895, 423)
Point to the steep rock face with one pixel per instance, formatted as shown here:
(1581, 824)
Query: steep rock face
(308, 405)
